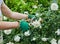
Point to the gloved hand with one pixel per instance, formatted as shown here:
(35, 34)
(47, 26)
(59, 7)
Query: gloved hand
(32, 17)
(24, 25)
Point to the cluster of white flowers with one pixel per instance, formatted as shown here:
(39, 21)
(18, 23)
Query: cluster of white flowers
(37, 14)
(54, 6)
(33, 39)
(40, 19)
(26, 12)
(59, 41)
(8, 31)
(27, 33)
(53, 41)
(17, 38)
(58, 32)
(34, 6)
(10, 43)
(36, 24)
(44, 39)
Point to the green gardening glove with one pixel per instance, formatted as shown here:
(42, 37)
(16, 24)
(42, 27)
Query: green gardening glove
(32, 17)
(24, 25)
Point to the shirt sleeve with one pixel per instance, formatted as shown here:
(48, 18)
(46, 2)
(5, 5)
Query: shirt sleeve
(1, 1)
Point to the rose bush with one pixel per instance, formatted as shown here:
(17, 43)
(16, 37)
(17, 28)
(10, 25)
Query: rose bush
(46, 27)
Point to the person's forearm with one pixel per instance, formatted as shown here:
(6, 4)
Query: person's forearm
(5, 10)
(8, 25)
(18, 16)
(15, 15)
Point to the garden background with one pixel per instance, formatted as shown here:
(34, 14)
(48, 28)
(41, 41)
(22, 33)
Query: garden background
(40, 35)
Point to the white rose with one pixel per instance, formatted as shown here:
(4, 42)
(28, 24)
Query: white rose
(36, 24)
(27, 33)
(58, 32)
(54, 6)
(10, 43)
(34, 6)
(26, 12)
(33, 39)
(7, 32)
(17, 38)
(44, 39)
(53, 41)
(40, 19)
(37, 14)
(59, 41)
